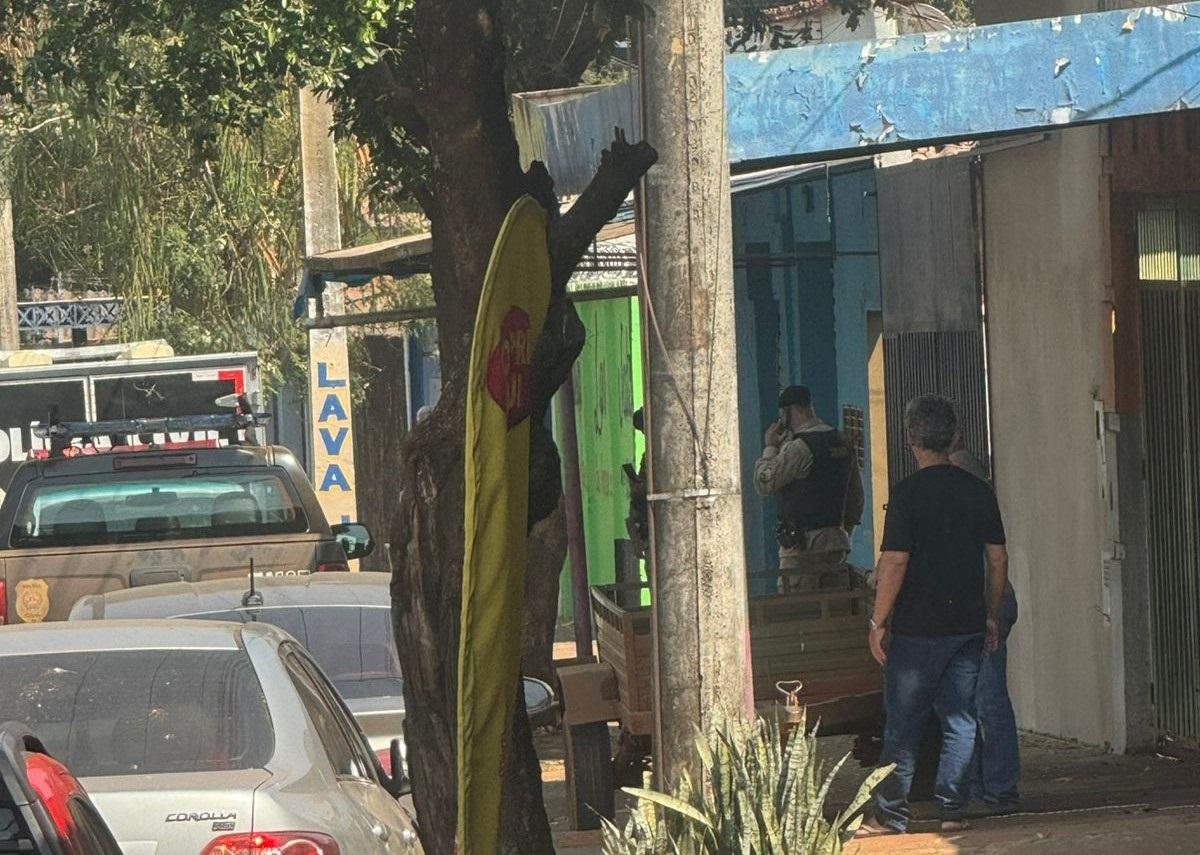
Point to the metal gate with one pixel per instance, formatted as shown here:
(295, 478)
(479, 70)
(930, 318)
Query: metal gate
(1169, 256)
(933, 339)
(950, 364)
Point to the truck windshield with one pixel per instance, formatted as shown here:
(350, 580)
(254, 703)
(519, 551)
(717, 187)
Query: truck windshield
(157, 506)
(127, 712)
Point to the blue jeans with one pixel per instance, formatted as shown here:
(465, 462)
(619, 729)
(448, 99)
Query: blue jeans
(928, 675)
(997, 766)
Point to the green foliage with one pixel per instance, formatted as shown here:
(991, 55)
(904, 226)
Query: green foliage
(218, 64)
(212, 63)
(958, 11)
(757, 799)
(203, 249)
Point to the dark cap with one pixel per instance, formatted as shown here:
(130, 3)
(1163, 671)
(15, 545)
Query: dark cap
(795, 396)
(639, 420)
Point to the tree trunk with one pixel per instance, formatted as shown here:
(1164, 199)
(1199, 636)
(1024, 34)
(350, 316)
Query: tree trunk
(377, 450)
(426, 595)
(476, 177)
(543, 570)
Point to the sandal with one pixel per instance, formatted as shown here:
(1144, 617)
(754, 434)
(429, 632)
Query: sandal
(873, 828)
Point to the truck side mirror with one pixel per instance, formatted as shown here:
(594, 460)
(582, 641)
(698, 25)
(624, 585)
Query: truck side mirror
(540, 703)
(355, 539)
(399, 783)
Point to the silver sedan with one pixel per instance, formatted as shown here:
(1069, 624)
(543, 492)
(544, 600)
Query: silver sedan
(207, 737)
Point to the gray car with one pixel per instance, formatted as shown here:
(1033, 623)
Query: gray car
(199, 736)
(344, 619)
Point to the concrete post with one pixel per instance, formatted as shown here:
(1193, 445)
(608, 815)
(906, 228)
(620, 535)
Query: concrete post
(581, 599)
(331, 434)
(10, 338)
(698, 564)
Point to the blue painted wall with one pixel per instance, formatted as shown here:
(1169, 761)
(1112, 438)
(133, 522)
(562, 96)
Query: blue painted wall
(425, 374)
(807, 273)
(816, 102)
(856, 292)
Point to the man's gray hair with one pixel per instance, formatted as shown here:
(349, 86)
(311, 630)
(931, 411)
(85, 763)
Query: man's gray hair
(931, 423)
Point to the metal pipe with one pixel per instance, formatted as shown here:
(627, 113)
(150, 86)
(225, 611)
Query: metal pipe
(393, 316)
(573, 497)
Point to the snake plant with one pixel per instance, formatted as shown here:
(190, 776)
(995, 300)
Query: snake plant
(757, 798)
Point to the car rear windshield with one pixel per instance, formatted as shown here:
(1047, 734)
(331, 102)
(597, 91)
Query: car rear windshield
(156, 506)
(354, 645)
(143, 711)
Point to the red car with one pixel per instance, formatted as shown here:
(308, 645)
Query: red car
(43, 809)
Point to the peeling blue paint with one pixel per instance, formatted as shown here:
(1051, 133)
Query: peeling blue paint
(962, 84)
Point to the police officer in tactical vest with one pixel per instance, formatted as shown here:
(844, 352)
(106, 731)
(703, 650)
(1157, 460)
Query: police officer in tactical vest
(813, 470)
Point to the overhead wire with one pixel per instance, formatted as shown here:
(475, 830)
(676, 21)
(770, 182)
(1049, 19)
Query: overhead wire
(656, 330)
(1171, 9)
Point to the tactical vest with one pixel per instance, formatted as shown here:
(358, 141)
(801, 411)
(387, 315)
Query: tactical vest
(819, 501)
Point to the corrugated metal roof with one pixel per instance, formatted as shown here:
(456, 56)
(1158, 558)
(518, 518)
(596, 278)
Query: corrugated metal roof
(568, 129)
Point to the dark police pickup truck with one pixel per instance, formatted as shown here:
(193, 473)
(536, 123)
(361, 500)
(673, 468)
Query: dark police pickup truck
(116, 505)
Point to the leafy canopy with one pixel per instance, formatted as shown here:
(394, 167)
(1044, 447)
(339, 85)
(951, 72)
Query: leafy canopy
(216, 64)
(210, 64)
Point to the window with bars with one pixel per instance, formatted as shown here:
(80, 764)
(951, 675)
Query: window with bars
(1169, 244)
(854, 427)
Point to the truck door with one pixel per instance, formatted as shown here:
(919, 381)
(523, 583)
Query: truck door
(24, 402)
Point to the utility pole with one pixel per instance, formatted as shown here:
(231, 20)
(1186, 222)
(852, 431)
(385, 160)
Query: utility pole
(331, 434)
(702, 667)
(10, 338)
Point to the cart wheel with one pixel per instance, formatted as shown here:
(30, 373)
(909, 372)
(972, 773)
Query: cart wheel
(630, 760)
(589, 775)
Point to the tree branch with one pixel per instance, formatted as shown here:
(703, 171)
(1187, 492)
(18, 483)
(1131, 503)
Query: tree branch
(378, 87)
(621, 167)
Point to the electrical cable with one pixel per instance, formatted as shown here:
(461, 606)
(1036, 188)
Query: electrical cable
(644, 295)
(1173, 10)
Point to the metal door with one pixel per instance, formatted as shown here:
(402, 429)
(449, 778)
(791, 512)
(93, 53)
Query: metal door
(933, 336)
(1169, 260)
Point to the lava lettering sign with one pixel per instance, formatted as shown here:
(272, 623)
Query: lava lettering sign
(332, 430)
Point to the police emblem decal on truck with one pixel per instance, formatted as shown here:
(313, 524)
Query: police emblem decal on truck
(33, 600)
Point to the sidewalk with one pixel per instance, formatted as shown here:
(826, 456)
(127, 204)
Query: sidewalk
(1093, 832)
(1075, 800)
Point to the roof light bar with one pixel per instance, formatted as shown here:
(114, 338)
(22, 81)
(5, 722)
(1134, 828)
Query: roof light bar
(147, 427)
(68, 439)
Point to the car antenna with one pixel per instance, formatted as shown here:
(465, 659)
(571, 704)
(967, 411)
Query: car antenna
(252, 597)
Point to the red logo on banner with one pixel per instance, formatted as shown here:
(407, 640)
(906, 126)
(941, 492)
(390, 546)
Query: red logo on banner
(508, 371)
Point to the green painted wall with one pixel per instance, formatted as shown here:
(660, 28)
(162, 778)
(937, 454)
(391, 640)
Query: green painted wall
(608, 388)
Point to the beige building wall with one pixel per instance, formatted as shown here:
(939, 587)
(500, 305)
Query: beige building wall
(1045, 224)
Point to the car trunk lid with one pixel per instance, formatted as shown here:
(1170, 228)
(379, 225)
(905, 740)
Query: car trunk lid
(175, 812)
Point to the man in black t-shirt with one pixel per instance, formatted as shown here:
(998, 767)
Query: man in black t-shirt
(941, 605)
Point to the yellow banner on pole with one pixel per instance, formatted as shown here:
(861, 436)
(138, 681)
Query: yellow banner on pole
(512, 309)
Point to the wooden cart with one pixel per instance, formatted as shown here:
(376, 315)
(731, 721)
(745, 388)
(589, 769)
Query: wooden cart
(818, 638)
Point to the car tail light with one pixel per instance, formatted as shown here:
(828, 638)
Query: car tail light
(333, 567)
(273, 843)
(54, 787)
(384, 756)
(3, 603)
